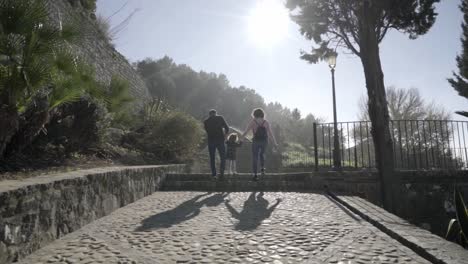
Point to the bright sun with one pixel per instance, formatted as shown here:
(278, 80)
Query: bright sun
(268, 23)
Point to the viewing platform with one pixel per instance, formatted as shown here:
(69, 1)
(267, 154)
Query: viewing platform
(159, 214)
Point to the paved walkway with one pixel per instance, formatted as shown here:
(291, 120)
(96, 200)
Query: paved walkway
(191, 227)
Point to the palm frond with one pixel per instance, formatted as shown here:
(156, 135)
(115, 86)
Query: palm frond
(36, 53)
(118, 94)
(69, 97)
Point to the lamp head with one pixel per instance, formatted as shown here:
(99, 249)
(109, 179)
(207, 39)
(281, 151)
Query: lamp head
(332, 60)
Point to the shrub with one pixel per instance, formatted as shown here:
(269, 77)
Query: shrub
(77, 126)
(104, 27)
(171, 137)
(89, 5)
(458, 228)
(118, 100)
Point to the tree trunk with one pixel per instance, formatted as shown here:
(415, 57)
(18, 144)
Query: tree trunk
(30, 124)
(378, 109)
(8, 126)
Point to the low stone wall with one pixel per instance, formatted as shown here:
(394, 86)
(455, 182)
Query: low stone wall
(426, 197)
(364, 184)
(36, 211)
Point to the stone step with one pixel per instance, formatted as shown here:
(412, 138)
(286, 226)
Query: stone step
(242, 177)
(238, 186)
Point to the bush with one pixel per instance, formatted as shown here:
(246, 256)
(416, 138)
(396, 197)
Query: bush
(89, 5)
(292, 146)
(118, 101)
(171, 137)
(104, 27)
(78, 126)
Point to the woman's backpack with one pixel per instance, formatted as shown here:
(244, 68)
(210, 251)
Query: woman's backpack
(261, 132)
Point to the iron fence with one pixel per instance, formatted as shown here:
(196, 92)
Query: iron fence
(417, 144)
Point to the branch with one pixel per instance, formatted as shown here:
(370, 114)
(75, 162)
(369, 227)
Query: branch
(384, 32)
(383, 27)
(340, 27)
(348, 18)
(347, 42)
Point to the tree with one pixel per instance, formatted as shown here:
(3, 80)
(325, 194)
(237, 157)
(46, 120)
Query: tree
(406, 104)
(417, 127)
(459, 81)
(39, 73)
(360, 26)
(179, 86)
(33, 56)
(296, 114)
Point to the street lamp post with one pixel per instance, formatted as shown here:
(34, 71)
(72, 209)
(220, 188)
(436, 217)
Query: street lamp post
(336, 141)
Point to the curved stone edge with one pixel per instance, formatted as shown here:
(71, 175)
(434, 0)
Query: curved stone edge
(429, 246)
(39, 210)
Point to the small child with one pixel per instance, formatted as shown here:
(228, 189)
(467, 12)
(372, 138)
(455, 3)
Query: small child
(232, 144)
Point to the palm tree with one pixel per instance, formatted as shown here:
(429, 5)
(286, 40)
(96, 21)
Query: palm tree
(38, 72)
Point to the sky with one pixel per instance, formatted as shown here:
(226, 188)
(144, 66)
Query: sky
(225, 36)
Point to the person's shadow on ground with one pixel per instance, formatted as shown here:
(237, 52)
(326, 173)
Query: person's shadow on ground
(183, 212)
(255, 210)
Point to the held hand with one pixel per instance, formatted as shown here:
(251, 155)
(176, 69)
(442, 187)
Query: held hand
(275, 147)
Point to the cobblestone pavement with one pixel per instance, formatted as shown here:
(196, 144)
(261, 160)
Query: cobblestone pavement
(191, 227)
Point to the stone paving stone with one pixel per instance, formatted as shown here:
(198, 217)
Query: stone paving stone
(194, 227)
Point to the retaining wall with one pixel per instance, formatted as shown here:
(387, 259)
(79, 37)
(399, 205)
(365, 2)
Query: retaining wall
(425, 198)
(36, 211)
(96, 50)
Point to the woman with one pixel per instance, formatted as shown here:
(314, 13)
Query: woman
(261, 131)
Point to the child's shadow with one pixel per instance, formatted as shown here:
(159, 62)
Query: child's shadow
(255, 210)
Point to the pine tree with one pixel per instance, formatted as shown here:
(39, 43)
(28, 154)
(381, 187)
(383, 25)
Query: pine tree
(359, 26)
(460, 80)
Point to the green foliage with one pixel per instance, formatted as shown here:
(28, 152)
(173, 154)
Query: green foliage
(458, 228)
(31, 46)
(295, 155)
(89, 5)
(35, 55)
(296, 114)
(76, 127)
(459, 80)
(118, 94)
(42, 81)
(71, 80)
(171, 137)
(462, 214)
(198, 92)
(335, 23)
(104, 27)
(35, 63)
(118, 101)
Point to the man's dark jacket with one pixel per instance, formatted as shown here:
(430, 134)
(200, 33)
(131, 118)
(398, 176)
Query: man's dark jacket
(214, 126)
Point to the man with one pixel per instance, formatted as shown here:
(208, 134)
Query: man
(217, 130)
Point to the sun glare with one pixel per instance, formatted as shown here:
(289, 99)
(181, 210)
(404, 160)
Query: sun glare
(268, 23)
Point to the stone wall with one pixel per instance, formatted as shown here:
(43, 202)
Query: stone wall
(36, 211)
(96, 50)
(425, 197)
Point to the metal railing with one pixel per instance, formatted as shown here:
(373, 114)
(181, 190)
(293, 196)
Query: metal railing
(417, 145)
